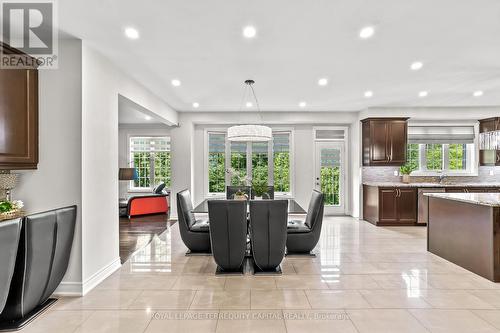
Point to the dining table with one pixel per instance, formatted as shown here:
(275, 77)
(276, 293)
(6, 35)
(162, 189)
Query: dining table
(293, 206)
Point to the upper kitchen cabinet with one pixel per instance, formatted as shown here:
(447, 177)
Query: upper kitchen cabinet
(18, 115)
(384, 141)
(489, 141)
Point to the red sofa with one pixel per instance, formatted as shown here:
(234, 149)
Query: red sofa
(147, 204)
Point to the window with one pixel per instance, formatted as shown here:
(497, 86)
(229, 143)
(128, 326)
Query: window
(457, 156)
(281, 162)
(266, 162)
(434, 156)
(216, 162)
(451, 158)
(413, 156)
(238, 161)
(151, 157)
(260, 162)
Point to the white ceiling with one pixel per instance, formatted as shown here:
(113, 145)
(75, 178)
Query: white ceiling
(299, 41)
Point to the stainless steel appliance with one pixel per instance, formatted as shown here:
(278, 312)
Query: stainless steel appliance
(423, 203)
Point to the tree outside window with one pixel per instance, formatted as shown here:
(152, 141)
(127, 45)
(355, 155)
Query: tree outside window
(152, 160)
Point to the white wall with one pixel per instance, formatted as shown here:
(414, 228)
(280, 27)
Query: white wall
(102, 83)
(57, 182)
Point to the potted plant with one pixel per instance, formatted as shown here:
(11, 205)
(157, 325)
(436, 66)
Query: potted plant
(10, 209)
(405, 171)
(240, 180)
(260, 190)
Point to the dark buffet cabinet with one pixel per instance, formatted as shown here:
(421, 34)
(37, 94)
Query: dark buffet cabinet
(384, 141)
(18, 115)
(390, 205)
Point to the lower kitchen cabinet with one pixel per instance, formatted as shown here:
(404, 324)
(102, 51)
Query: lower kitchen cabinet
(390, 205)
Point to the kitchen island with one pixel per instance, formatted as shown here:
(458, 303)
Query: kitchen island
(464, 229)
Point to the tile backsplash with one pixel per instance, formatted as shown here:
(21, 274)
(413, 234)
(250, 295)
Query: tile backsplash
(386, 174)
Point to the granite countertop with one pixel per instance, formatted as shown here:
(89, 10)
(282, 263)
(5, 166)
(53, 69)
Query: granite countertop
(399, 184)
(485, 199)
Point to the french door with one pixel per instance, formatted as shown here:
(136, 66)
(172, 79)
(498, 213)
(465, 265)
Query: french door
(329, 175)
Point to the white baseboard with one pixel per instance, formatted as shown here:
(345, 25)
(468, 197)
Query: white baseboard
(80, 289)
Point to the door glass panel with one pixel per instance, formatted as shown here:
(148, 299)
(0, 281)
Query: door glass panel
(238, 161)
(260, 167)
(330, 175)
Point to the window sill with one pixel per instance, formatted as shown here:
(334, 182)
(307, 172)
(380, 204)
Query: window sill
(139, 190)
(443, 174)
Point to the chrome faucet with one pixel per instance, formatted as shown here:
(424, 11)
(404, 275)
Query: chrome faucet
(442, 176)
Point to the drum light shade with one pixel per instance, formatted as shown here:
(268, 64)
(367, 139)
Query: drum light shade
(252, 133)
(128, 174)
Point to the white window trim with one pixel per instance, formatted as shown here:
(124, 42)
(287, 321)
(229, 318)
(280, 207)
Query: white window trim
(131, 187)
(345, 164)
(282, 195)
(471, 170)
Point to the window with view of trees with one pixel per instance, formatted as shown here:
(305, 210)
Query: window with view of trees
(453, 157)
(216, 162)
(281, 162)
(264, 162)
(151, 158)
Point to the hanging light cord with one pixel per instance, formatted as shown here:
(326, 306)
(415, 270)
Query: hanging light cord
(257, 103)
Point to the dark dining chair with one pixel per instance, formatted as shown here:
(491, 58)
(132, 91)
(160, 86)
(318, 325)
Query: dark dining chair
(268, 195)
(228, 233)
(9, 240)
(304, 235)
(268, 223)
(194, 232)
(231, 191)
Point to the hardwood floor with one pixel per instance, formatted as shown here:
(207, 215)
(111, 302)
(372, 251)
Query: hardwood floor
(138, 232)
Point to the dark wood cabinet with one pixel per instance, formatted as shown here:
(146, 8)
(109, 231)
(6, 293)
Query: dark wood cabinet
(384, 141)
(18, 116)
(388, 212)
(390, 205)
(489, 157)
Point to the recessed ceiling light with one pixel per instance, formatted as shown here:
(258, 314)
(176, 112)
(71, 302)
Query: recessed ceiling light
(249, 104)
(196, 105)
(131, 33)
(367, 32)
(417, 65)
(478, 93)
(147, 117)
(176, 82)
(368, 94)
(423, 94)
(249, 31)
(302, 104)
(323, 82)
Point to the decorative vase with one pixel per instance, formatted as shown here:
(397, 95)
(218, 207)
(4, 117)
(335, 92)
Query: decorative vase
(405, 179)
(240, 197)
(257, 198)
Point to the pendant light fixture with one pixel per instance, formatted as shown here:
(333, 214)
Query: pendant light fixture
(251, 132)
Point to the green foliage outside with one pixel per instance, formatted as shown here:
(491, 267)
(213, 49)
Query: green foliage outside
(216, 173)
(412, 156)
(260, 170)
(330, 180)
(282, 172)
(239, 165)
(162, 168)
(434, 156)
(457, 154)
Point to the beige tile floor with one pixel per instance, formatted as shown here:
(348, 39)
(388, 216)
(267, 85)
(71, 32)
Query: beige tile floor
(364, 279)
